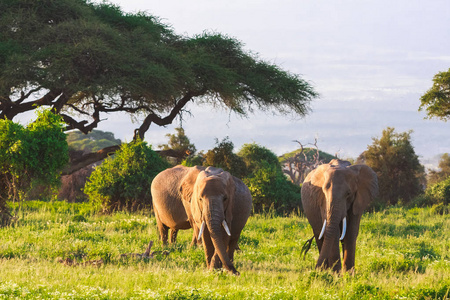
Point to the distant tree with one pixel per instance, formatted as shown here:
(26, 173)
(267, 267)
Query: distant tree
(400, 174)
(86, 59)
(222, 156)
(297, 164)
(444, 166)
(91, 142)
(270, 188)
(180, 144)
(436, 101)
(123, 182)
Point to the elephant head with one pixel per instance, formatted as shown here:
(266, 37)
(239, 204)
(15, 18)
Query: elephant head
(334, 197)
(212, 201)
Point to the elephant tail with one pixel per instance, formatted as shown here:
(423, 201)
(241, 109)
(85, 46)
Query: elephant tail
(306, 247)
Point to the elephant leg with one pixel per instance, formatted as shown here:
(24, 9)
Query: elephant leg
(208, 247)
(319, 243)
(216, 261)
(349, 242)
(195, 240)
(232, 246)
(173, 235)
(163, 229)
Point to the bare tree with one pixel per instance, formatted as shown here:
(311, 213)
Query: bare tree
(302, 162)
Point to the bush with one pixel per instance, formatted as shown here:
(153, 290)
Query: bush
(222, 156)
(440, 192)
(31, 156)
(123, 182)
(270, 188)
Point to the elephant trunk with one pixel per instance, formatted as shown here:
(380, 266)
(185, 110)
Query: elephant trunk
(329, 256)
(219, 238)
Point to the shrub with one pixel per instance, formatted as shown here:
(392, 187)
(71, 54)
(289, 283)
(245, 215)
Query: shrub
(31, 156)
(440, 192)
(266, 181)
(123, 182)
(222, 156)
(193, 160)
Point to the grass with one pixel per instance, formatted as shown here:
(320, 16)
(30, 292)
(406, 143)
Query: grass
(401, 254)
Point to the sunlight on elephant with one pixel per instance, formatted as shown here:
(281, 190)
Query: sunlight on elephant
(168, 206)
(334, 197)
(211, 201)
(220, 205)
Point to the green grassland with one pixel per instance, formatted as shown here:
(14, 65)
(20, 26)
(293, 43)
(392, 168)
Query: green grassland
(402, 254)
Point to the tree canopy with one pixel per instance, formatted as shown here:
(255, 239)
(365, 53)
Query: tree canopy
(400, 174)
(444, 172)
(436, 101)
(84, 59)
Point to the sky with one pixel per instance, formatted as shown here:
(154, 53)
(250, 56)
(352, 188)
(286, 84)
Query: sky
(370, 61)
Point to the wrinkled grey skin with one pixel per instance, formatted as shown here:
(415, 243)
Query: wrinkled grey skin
(331, 192)
(173, 192)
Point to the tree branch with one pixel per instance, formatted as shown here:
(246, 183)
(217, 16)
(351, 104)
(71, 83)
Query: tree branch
(154, 118)
(13, 109)
(90, 158)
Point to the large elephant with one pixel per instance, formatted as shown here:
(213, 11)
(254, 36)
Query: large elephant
(168, 206)
(220, 205)
(334, 197)
(172, 195)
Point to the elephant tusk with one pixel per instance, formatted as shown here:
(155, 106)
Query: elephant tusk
(202, 228)
(323, 229)
(344, 228)
(225, 226)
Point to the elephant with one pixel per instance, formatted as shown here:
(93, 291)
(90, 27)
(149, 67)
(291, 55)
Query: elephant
(220, 206)
(168, 206)
(172, 196)
(334, 196)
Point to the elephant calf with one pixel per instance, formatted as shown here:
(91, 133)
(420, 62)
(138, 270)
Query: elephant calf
(334, 197)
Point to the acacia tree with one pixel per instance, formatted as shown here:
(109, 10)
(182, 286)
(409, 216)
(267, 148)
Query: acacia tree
(400, 174)
(85, 60)
(436, 101)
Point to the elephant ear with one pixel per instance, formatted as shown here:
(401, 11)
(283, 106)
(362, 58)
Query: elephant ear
(187, 183)
(312, 189)
(229, 202)
(367, 188)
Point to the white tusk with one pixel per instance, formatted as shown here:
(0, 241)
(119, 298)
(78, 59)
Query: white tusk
(202, 228)
(344, 228)
(323, 229)
(224, 224)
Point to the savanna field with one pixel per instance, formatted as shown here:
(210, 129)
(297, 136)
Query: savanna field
(66, 251)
